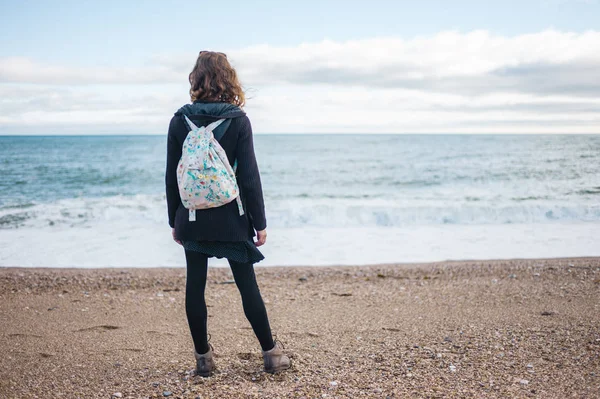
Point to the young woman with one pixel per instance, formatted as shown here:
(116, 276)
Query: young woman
(221, 232)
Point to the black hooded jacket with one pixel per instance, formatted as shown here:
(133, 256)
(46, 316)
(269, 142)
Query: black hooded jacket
(222, 223)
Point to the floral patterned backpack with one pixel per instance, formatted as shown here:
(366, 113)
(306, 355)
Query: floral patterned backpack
(204, 175)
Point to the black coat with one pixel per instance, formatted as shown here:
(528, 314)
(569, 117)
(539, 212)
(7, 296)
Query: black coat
(222, 223)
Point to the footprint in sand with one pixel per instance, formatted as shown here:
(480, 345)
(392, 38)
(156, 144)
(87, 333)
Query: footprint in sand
(102, 327)
(125, 349)
(159, 332)
(24, 335)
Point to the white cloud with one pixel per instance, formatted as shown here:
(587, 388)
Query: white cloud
(25, 70)
(362, 110)
(471, 63)
(450, 82)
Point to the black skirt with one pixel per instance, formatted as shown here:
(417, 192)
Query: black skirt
(238, 251)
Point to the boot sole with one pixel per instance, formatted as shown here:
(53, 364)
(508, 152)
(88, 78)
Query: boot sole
(204, 374)
(277, 369)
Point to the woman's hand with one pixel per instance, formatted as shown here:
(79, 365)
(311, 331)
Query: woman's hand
(175, 237)
(261, 237)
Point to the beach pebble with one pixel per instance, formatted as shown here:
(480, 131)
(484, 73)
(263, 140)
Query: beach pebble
(524, 382)
(333, 383)
(512, 276)
(303, 278)
(117, 395)
(452, 368)
(167, 393)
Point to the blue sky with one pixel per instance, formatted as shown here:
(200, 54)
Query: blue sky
(159, 39)
(115, 32)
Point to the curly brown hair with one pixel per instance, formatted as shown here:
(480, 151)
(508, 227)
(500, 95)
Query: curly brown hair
(214, 79)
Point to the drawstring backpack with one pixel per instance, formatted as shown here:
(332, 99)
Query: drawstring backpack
(204, 176)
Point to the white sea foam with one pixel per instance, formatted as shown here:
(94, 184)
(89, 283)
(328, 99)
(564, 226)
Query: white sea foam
(298, 213)
(143, 242)
(86, 212)
(115, 247)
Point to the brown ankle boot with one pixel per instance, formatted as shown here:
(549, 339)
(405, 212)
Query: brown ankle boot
(275, 360)
(205, 363)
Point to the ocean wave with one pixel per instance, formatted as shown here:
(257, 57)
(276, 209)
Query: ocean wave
(85, 211)
(593, 190)
(362, 213)
(137, 210)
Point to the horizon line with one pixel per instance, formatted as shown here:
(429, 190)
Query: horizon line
(317, 133)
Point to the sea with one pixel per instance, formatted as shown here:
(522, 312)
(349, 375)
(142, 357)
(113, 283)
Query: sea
(331, 199)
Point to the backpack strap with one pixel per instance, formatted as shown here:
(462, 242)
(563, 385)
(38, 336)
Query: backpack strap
(240, 206)
(190, 123)
(210, 127)
(214, 125)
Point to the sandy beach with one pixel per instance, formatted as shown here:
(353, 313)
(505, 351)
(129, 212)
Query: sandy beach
(510, 328)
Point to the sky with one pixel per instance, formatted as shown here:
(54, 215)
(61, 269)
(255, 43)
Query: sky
(121, 67)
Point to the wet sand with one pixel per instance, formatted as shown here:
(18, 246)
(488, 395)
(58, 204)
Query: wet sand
(512, 328)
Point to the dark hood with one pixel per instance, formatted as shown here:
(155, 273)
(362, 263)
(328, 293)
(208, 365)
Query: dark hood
(213, 110)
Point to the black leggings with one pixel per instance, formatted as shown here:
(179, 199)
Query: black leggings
(195, 305)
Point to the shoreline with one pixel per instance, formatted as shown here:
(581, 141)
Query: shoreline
(475, 328)
(148, 244)
(341, 265)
